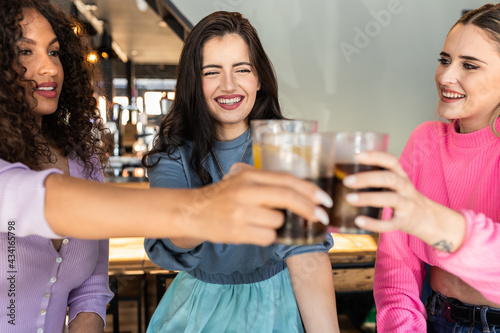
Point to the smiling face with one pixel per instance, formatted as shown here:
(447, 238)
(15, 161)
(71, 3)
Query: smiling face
(230, 84)
(468, 77)
(39, 54)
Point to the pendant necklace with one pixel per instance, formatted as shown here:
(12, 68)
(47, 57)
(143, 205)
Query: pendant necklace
(244, 151)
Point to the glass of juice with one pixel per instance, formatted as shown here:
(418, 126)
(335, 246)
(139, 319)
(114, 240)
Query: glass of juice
(348, 145)
(309, 156)
(261, 126)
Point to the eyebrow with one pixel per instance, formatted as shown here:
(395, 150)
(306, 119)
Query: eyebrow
(444, 54)
(31, 41)
(235, 65)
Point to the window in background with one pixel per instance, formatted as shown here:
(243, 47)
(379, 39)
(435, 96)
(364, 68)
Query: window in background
(101, 105)
(152, 104)
(125, 115)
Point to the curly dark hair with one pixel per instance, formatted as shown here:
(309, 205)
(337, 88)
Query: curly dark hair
(75, 126)
(189, 118)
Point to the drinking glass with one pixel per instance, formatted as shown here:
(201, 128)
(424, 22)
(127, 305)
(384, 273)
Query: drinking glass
(261, 126)
(309, 156)
(348, 145)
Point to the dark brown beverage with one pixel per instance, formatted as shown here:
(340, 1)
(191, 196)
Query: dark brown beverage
(297, 230)
(343, 214)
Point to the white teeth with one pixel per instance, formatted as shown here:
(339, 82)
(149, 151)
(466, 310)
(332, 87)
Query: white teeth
(452, 95)
(229, 101)
(46, 88)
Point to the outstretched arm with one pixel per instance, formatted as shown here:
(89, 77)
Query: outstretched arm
(240, 209)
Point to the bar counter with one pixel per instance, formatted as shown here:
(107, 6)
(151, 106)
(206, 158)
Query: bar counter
(352, 257)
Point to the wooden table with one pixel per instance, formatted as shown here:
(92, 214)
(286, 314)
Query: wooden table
(352, 257)
(353, 260)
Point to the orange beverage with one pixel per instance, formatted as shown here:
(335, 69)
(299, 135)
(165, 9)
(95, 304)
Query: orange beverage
(257, 155)
(261, 126)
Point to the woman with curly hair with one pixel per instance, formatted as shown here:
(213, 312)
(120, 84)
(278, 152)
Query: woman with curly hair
(68, 118)
(49, 120)
(49, 129)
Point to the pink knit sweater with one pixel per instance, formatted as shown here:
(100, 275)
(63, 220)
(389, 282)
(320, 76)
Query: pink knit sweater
(460, 171)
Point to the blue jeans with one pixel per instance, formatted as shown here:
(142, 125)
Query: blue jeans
(440, 321)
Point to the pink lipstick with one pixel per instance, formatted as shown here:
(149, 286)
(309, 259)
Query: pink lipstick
(47, 89)
(229, 102)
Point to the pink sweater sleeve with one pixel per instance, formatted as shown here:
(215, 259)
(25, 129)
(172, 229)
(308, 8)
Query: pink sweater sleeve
(399, 272)
(399, 275)
(477, 262)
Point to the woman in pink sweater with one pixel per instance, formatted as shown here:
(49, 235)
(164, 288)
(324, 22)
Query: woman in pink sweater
(445, 196)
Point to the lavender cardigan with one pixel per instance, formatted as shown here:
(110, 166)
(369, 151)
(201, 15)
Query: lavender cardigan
(38, 283)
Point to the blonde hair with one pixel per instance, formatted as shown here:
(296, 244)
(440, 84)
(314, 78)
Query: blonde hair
(487, 18)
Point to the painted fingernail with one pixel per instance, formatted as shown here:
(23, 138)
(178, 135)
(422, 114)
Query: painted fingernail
(321, 215)
(324, 198)
(352, 197)
(349, 180)
(360, 222)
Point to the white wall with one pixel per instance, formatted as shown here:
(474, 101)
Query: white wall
(351, 64)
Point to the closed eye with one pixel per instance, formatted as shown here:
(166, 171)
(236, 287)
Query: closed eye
(210, 73)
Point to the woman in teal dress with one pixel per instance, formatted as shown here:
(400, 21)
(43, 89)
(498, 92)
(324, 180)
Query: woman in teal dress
(225, 79)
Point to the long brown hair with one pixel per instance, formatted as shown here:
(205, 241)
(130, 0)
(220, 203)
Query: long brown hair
(189, 118)
(75, 125)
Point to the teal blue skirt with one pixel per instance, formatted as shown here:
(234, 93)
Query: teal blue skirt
(194, 306)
